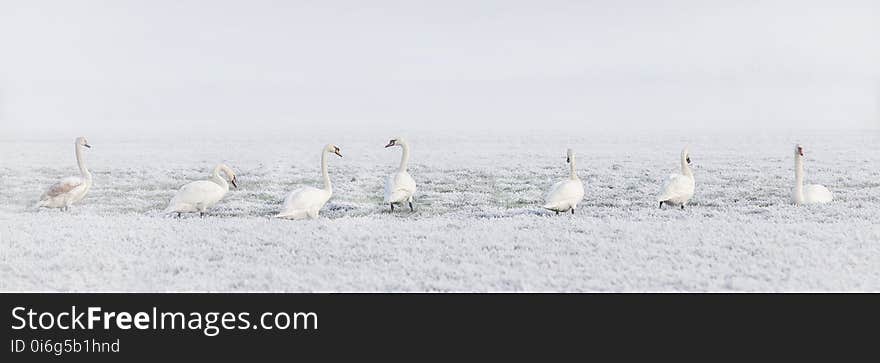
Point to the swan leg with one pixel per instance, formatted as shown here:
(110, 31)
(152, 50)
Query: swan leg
(411, 207)
(572, 211)
(178, 214)
(392, 206)
(661, 204)
(682, 206)
(557, 213)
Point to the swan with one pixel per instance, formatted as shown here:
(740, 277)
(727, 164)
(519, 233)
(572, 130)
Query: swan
(679, 188)
(71, 189)
(810, 193)
(567, 193)
(200, 195)
(307, 201)
(400, 186)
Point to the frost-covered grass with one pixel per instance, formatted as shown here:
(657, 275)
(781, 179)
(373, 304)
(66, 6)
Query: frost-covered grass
(477, 227)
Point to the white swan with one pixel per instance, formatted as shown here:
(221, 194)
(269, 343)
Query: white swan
(565, 194)
(400, 186)
(810, 193)
(306, 202)
(679, 188)
(71, 189)
(200, 195)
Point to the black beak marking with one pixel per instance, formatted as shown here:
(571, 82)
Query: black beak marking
(88, 146)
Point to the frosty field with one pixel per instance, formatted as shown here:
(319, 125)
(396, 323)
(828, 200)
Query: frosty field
(478, 225)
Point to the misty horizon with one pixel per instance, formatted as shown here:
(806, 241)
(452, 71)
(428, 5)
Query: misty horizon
(165, 67)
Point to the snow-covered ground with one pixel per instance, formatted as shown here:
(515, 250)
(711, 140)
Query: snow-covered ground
(477, 225)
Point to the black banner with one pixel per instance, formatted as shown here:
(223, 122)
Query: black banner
(42, 327)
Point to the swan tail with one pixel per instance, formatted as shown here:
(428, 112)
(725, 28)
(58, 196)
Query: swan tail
(551, 206)
(396, 196)
(666, 195)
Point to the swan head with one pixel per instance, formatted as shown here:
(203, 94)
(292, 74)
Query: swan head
(798, 150)
(81, 141)
(397, 141)
(686, 155)
(230, 174)
(568, 155)
(330, 148)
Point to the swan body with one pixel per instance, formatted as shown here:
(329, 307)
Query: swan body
(810, 193)
(306, 202)
(400, 186)
(199, 196)
(565, 194)
(71, 189)
(679, 188)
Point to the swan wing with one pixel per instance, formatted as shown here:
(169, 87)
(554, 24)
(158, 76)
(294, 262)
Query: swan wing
(564, 194)
(62, 187)
(399, 187)
(677, 187)
(815, 193)
(198, 193)
(304, 202)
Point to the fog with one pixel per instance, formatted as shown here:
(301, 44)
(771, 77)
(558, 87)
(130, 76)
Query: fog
(235, 66)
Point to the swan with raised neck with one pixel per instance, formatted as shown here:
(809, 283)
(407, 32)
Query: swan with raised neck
(400, 186)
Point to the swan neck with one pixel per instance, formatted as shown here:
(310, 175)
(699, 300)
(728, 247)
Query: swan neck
(685, 167)
(799, 177)
(573, 175)
(80, 161)
(216, 178)
(327, 185)
(404, 157)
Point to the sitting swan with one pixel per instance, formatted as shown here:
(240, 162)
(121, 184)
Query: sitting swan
(400, 186)
(810, 193)
(565, 194)
(306, 202)
(200, 195)
(71, 189)
(679, 188)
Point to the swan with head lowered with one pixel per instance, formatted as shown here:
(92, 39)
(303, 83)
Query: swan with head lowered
(71, 189)
(200, 195)
(810, 193)
(679, 188)
(306, 202)
(400, 186)
(565, 194)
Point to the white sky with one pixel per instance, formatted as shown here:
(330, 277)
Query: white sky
(86, 65)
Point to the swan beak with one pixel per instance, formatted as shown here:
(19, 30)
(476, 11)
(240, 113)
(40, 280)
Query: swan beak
(390, 144)
(801, 152)
(688, 159)
(338, 153)
(88, 146)
(567, 159)
(233, 183)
